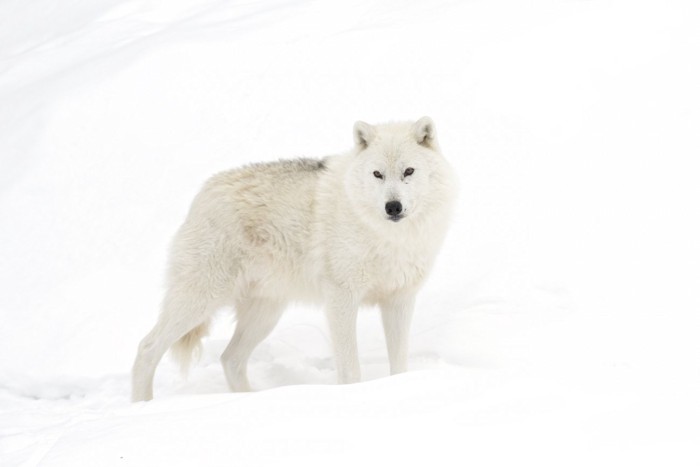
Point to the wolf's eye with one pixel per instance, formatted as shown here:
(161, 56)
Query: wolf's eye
(408, 171)
(378, 174)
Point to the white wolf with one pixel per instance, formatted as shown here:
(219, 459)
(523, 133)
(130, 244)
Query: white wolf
(362, 228)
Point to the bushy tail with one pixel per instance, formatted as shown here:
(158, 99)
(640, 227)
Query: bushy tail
(189, 347)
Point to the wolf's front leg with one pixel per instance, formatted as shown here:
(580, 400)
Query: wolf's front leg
(397, 312)
(342, 320)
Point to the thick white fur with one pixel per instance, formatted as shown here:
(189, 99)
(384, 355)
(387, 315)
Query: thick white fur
(264, 235)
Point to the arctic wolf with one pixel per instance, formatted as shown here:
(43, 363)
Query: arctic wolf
(362, 228)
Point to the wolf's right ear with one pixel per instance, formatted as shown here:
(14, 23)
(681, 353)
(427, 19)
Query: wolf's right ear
(364, 133)
(424, 131)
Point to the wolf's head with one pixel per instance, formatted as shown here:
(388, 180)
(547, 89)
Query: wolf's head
(397, 173)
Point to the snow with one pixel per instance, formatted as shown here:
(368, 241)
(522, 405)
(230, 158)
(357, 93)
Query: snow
(561, 323)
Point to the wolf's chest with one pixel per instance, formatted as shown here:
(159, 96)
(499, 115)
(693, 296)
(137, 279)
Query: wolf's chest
(394, 268)
(404, 270)
(364, 262)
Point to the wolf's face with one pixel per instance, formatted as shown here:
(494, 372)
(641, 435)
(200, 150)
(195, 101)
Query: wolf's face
(391, 176)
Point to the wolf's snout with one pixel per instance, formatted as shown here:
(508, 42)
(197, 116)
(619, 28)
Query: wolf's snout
(393, 208)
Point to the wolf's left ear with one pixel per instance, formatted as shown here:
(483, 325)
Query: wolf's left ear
(424, 131)
(364, 133)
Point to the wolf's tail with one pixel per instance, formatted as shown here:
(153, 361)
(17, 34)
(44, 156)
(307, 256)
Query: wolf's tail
(189, 347)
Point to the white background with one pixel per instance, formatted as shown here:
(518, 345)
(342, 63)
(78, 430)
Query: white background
(561, 323)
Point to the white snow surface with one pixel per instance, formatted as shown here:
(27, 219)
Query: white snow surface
(561, 323)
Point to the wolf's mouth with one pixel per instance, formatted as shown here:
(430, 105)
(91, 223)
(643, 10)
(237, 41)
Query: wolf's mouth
(396, 217)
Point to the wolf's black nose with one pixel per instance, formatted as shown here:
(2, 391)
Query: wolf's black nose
(393, 208)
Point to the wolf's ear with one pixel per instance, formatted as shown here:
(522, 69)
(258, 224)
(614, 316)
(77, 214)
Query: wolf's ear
(424, 131)
(364, 133)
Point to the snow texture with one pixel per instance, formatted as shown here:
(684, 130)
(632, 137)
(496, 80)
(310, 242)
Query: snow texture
(561, 323)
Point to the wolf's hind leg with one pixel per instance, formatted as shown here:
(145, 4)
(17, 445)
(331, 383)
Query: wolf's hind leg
(181, 313)
(256, 318)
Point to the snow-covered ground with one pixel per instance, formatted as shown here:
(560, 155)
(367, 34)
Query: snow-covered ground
(561, 324)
